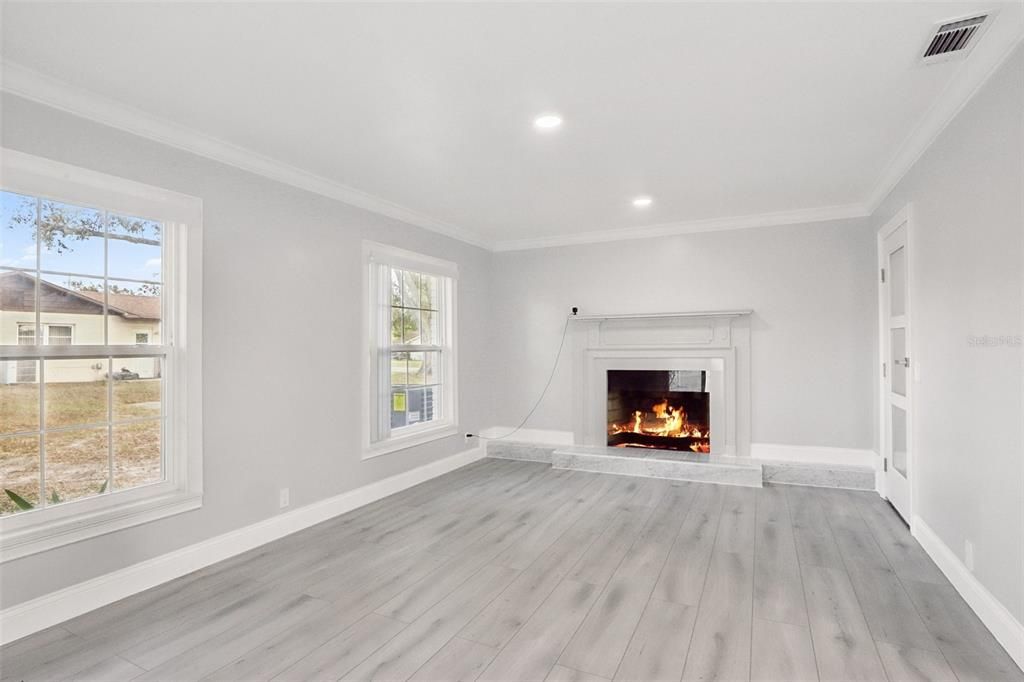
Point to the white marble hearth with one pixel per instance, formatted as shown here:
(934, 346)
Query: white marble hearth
(820, 475)
(685, 466)
(651, 463)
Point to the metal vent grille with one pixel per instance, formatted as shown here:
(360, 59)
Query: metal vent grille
(954, 36)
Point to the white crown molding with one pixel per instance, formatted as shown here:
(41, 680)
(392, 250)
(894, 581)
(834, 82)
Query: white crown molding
(29, 84)
(807, 215)
(973, 73)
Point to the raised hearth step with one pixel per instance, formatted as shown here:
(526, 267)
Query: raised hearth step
(774, 472)
(819, 475)
(678, 466)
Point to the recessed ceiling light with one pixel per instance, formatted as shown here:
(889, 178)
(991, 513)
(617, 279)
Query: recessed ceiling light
(642, 202)
(547, 122)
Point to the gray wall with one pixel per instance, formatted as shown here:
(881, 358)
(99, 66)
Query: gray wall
(274, 421)
(967, 277)
(282, 278)
(811, 288)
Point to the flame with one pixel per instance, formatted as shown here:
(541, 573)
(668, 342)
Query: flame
(668, 422)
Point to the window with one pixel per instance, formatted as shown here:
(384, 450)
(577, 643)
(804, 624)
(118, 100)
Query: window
(96, 432)
(25, 370)
(27, 334)
(53, 334)
(58, 334)
(412, 356)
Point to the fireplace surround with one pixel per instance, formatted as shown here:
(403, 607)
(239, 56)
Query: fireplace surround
(625, 357)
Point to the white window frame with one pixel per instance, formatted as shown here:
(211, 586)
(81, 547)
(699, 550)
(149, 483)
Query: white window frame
(26, 325)
(48, 328)
(379, 438)
(29, 532)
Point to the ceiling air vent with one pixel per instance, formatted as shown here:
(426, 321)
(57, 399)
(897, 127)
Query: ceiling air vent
(953, 38)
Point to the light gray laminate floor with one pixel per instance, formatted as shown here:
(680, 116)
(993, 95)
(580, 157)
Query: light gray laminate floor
(509, 570)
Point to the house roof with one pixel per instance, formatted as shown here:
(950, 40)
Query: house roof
(128, 306)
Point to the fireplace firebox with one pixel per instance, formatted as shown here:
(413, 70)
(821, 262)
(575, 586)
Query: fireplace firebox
(664, 409)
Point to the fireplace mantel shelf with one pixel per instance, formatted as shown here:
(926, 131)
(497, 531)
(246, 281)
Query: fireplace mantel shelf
(649, 316)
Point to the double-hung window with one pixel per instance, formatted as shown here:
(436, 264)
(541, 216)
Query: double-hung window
(411, 358)
(99, 354)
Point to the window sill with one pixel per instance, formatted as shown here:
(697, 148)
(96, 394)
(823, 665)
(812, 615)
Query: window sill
(29, 533)
(403, 442)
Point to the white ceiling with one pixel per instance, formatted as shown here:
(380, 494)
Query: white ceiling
(728, 114)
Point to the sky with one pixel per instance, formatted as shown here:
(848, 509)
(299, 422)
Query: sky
(127, 259)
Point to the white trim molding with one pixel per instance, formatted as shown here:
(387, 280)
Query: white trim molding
(37, 614)
(420, 437)
(181, 488)
(32, 85)
(779, 218)
(971, 76)
(903, 217)
(379, 437)
(539, 436)
(1008, 631)
(814, 454)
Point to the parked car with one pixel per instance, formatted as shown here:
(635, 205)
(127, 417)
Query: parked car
(123, 374)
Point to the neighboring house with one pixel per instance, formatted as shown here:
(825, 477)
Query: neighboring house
(69, 316)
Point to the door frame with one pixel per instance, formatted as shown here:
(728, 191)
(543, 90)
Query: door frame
(902, 217)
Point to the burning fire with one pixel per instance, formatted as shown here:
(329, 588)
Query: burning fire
(668, 422)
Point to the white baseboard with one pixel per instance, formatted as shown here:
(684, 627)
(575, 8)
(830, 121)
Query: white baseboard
(544, 436)
(37, 614)
(814, 454)
(1006, 629)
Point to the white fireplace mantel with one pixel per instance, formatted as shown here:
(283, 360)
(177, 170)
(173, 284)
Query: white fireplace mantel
(717, 342)
(658, 316)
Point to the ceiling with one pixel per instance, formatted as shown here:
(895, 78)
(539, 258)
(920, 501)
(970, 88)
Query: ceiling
(727, 114)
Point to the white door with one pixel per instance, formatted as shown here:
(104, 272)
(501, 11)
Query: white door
(896, 361)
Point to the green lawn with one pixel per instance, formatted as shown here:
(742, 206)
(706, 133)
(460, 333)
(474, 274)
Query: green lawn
(77, 459)
(415, 376)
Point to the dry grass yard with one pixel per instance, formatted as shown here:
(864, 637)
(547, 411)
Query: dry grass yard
(77, 439)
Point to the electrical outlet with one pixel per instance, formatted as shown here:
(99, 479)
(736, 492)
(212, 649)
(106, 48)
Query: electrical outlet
(283, 498)
(969, 555)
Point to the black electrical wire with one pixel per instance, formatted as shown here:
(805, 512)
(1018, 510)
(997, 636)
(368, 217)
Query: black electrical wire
(554, 368)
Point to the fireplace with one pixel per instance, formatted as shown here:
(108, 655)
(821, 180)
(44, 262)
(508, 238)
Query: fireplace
(697, 363)
(664, 409)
